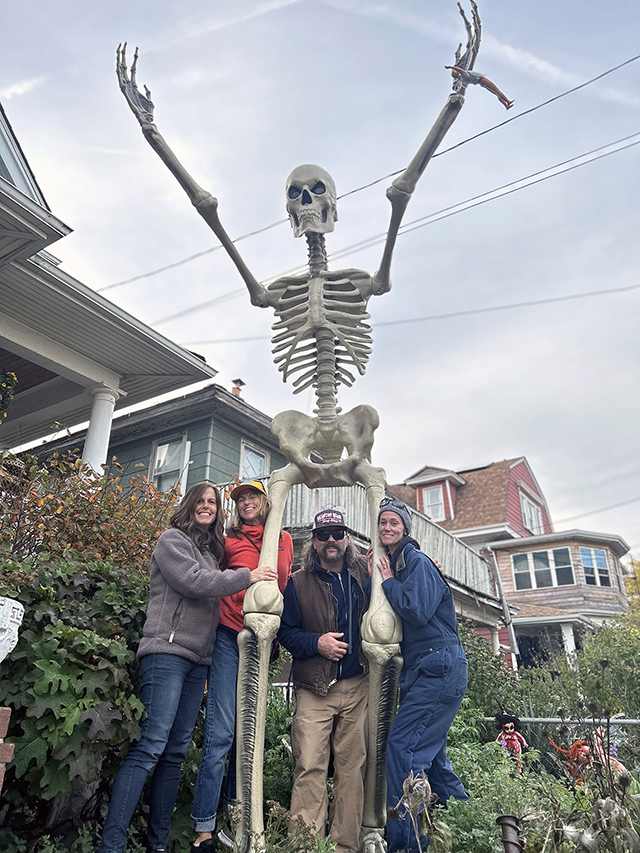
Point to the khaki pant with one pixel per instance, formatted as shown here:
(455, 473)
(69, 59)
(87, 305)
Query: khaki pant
(337, 720)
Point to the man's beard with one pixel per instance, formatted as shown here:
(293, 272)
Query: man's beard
(336, 556)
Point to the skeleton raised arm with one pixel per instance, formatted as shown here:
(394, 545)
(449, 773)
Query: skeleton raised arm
(206, 205)
(400, 191)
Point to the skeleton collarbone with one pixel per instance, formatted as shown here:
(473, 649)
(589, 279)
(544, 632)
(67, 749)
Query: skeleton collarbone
(306, 305)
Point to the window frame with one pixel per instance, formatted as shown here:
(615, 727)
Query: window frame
(259, 451)
(552, 566)
(597, 570)
(528, 504)
(426, 506)
(182, 469)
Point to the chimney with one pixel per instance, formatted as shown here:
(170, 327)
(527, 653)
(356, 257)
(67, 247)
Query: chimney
(237, 385)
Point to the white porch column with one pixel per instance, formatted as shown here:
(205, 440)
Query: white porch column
(568, 638)
(96, 444)
(495, 641)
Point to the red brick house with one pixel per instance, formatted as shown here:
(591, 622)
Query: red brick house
(560, 583)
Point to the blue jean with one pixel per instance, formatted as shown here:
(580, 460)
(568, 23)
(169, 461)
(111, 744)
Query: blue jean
(431, 691)
(171, 692)
(219, 727)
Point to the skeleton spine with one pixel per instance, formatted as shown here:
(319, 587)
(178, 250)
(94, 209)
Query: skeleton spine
(325, 343)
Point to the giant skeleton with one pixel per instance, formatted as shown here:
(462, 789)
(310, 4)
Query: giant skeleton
(320, 336)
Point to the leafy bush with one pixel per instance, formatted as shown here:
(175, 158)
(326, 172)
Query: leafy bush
(492, 686)
(62, 508)
(70, 682)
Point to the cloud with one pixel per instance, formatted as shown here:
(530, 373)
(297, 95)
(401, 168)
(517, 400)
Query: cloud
(220, 22)
(21, 88)
(532, 65)
(525, 62)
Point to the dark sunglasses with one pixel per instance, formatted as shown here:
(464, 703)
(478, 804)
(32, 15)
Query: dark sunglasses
(323, 535)
(392, 502)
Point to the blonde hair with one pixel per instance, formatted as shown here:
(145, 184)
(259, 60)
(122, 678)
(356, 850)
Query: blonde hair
(234, 525)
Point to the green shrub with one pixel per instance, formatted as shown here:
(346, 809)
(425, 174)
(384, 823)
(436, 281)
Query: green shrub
(70, 683)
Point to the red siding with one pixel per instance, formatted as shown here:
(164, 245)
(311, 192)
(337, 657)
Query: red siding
(521, 473)
(503, 636)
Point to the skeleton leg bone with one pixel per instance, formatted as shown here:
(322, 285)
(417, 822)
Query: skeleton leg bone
(381, 633)
(262, 610)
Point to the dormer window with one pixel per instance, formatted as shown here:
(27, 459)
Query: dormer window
(433, 503)
(531, 515)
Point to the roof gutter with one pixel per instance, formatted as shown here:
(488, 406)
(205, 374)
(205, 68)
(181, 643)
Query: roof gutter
(508, 621)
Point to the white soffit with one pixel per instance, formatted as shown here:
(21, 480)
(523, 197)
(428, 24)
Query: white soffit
(59, 323)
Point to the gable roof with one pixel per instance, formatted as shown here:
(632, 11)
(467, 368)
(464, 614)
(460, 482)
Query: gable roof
(482, 501)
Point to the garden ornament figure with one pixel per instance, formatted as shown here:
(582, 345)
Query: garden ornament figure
(322, 338)
(11, 614)
(510, 737)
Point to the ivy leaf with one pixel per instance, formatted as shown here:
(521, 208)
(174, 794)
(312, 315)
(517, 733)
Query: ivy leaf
(90, 683)
(86, 767)
(52, 677)
(101, 718)
(55, 779)
(42, 704)
(28, 751)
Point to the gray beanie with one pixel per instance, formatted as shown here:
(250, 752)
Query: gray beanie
(400, 508)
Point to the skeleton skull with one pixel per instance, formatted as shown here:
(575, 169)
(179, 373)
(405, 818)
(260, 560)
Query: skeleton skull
(311, 200)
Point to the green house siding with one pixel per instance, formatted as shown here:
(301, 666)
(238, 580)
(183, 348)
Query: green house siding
(214, 454)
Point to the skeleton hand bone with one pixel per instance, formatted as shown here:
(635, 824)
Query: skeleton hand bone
(141, 105)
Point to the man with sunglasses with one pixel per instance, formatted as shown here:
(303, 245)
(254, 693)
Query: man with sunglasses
(323, 606)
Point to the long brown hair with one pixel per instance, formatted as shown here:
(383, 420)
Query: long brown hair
(309, 556)
(211, 540)
(235, 523)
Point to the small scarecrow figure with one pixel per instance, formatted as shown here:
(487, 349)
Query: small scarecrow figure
(510, 737)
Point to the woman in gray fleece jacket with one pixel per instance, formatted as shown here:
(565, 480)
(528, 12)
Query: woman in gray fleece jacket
(186, 585)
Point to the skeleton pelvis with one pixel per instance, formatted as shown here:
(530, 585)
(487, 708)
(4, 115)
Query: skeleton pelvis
(300, 435)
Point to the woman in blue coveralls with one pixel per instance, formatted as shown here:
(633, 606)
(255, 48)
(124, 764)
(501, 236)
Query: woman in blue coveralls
(433, 680)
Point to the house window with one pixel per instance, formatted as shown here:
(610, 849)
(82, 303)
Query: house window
(433, 503)
(170, 462)
(254, 463)
(542, 569)
(596, 569)
(531, 515)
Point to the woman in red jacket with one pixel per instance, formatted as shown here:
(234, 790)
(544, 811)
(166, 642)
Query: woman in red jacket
(242, 549)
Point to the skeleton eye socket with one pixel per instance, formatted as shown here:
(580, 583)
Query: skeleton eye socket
(294, 192)
(318, 188)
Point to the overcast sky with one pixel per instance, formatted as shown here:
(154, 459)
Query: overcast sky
(247, 89)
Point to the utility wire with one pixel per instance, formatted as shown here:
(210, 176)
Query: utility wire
(597, 511)
(468, 312)
(430, 219)
(483, 198)
(371, 183)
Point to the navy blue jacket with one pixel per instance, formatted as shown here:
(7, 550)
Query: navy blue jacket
(422, 598)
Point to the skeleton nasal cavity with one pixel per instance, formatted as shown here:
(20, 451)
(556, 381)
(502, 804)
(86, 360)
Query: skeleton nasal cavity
(311, 200)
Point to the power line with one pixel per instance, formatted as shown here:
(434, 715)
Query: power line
(483, 198)
(597, 511)
(446, 212)
(190, 258)
(450, 315)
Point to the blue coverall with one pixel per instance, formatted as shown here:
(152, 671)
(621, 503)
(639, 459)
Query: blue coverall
(433, 682)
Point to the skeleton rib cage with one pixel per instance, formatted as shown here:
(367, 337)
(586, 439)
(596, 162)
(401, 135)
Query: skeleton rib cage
(304, 308)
